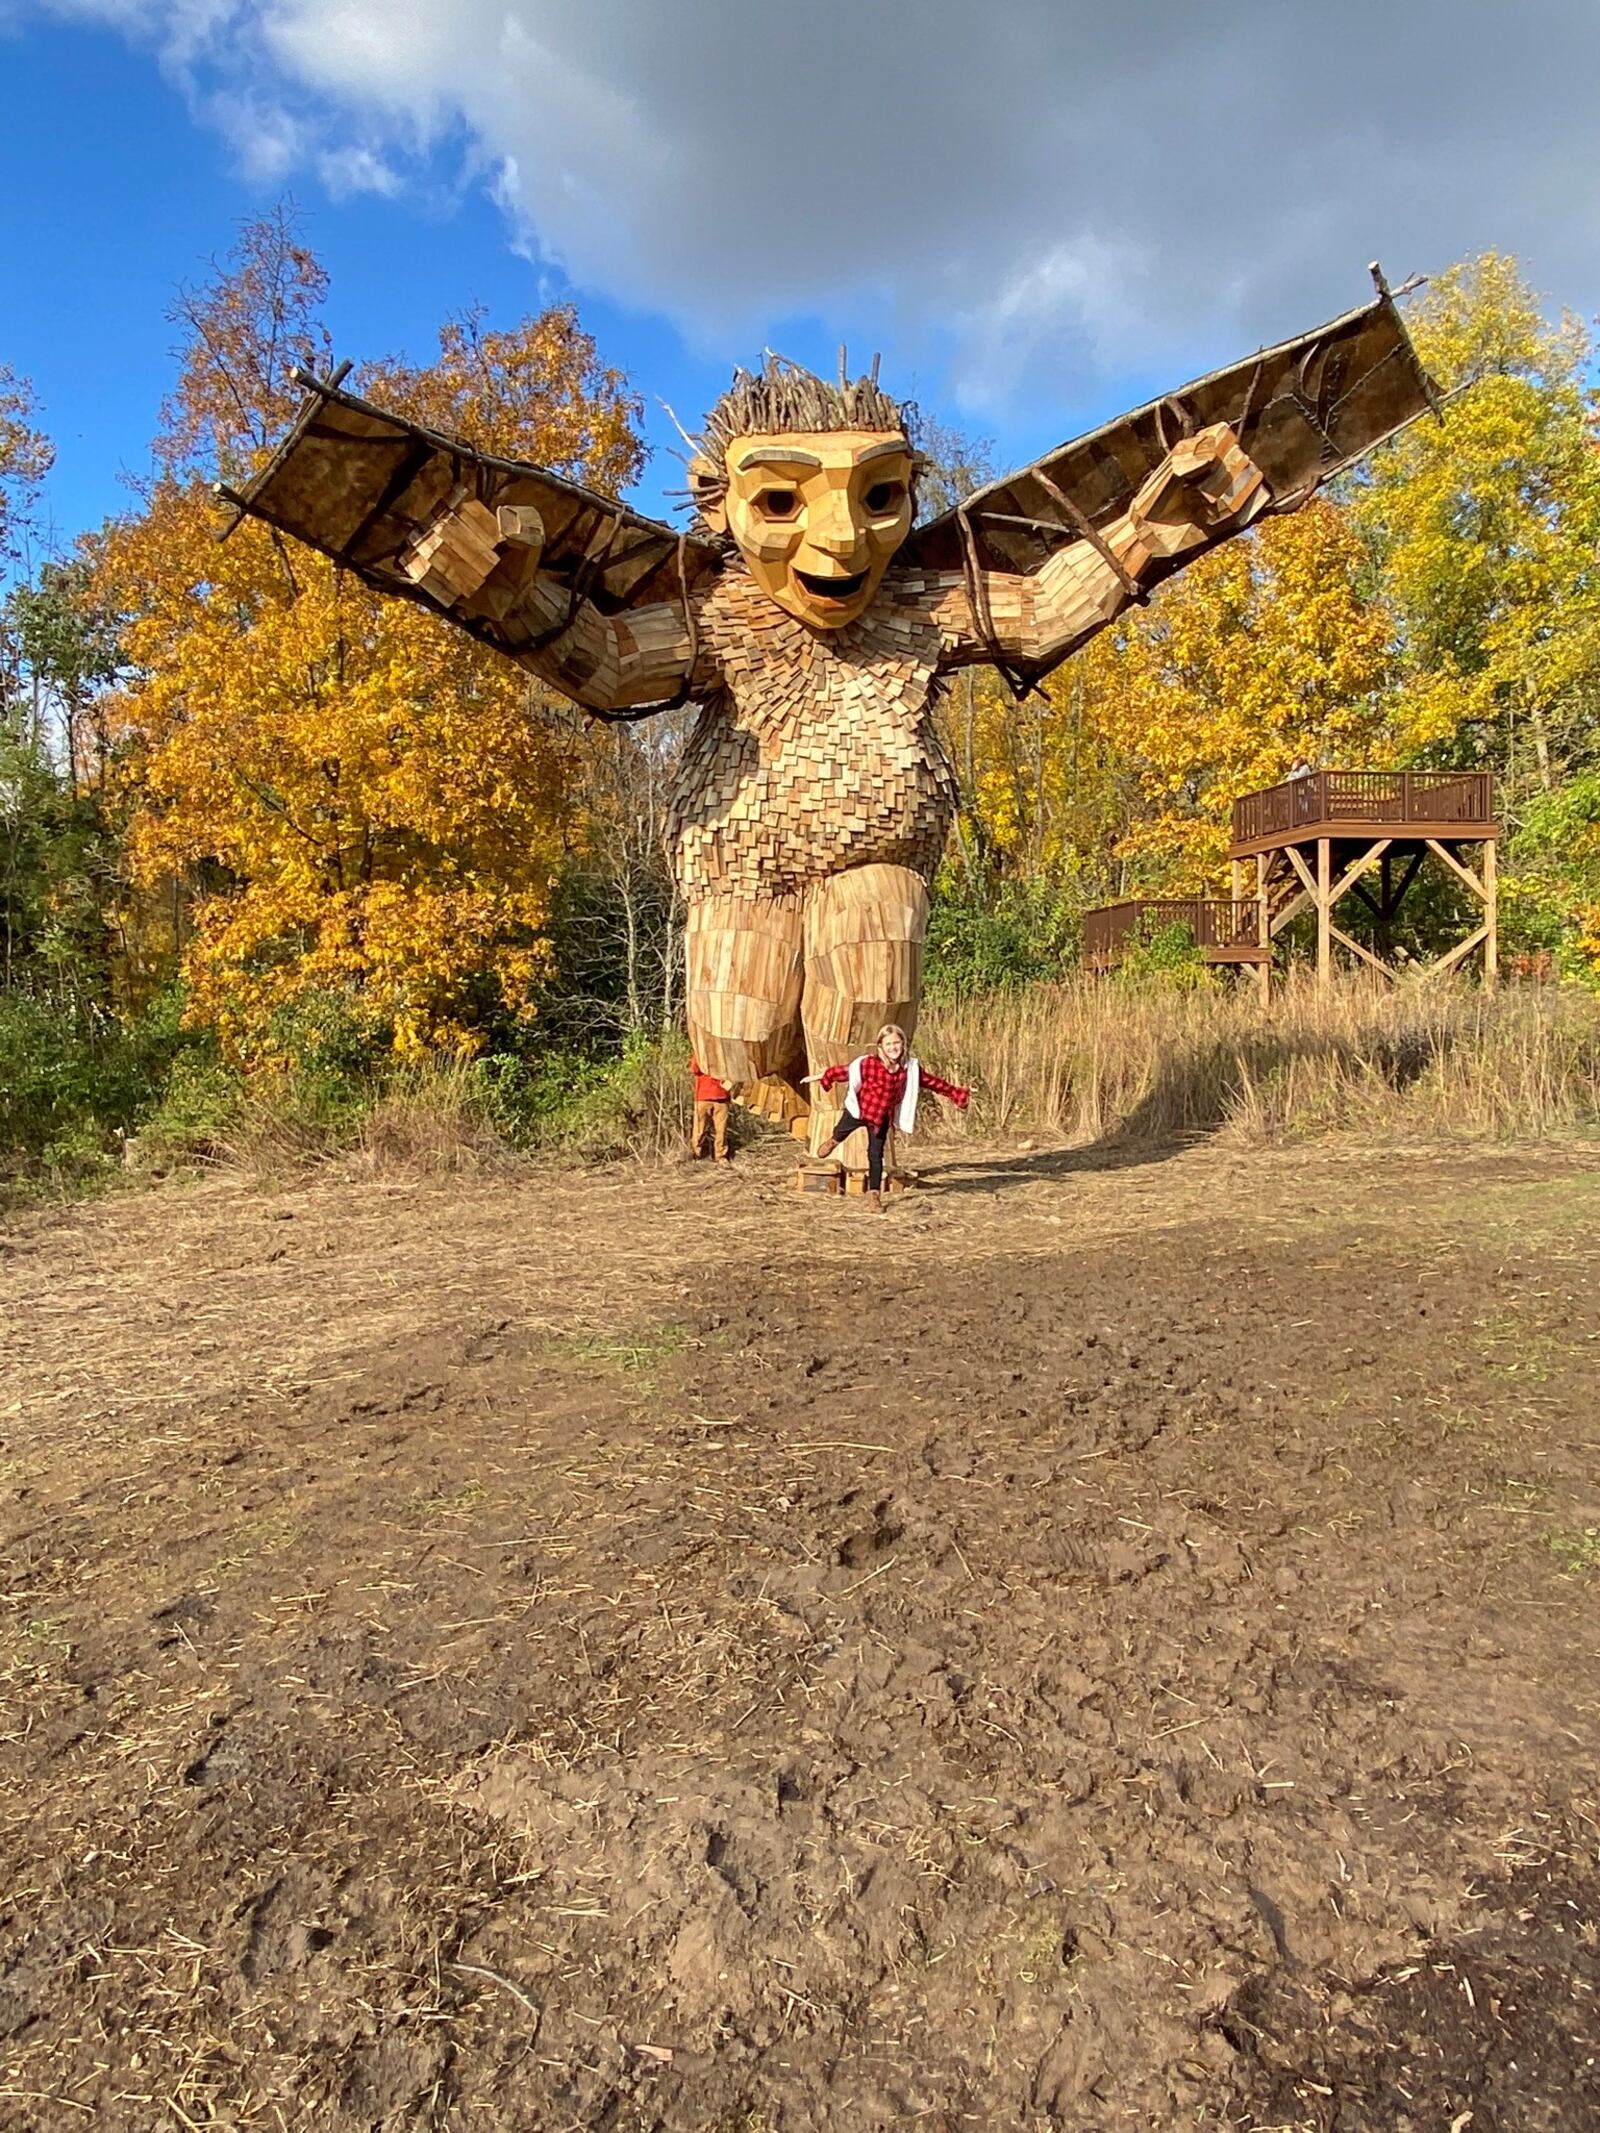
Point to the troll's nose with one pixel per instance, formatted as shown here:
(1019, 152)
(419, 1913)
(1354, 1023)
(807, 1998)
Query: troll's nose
(831, 528)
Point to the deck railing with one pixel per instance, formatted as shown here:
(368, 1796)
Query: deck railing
(1383, 798)
(1215, 921)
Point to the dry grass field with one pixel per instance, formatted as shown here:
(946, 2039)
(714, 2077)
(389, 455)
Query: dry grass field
(1113, 1643)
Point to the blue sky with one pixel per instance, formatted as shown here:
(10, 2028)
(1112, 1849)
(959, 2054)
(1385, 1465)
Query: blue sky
(129, 197)
(1041, 210)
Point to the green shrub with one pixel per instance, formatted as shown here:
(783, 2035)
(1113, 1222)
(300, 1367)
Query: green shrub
(1015, 935)
(636, 1103)
(1165, 955)
(198, 1110)
(75, 1082)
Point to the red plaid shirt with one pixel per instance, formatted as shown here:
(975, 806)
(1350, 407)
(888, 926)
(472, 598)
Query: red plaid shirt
(883, 1088)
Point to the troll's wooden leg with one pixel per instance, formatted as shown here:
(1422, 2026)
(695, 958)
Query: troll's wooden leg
(863, 968)
(744, 986)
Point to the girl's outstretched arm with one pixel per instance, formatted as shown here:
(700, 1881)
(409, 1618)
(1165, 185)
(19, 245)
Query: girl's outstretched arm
(951, 1090)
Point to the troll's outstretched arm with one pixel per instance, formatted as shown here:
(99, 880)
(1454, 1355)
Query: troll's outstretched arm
(482, 569)
(1029, 566)
(1205, 488)
(578, 588)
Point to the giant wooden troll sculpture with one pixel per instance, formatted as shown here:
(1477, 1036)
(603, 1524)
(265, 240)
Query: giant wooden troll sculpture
(814, 622)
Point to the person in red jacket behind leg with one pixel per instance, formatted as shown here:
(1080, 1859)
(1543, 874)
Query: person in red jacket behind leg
(711, 1099)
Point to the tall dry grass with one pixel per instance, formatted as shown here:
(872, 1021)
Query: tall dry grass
(1082, 1061)
(461, 1115)
(1088, 1059)
(431, 1121)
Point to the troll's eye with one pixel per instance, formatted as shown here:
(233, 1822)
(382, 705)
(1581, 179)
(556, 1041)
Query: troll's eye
(777, 503)
(885, 496)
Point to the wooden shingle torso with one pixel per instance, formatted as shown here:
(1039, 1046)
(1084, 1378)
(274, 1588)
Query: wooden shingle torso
(814, 750)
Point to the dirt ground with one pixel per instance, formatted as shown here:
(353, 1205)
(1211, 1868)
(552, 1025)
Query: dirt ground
(1113, 1643)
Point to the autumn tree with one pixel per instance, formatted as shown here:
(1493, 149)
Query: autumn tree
(54, 855)
(1120, 778)
(62, 652)
(59, 876)
(617, 924)
(1273, 647)
(26, 457)
(1486, 528)
(368, 812)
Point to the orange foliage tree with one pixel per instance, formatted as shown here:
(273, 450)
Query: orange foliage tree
(367, 810)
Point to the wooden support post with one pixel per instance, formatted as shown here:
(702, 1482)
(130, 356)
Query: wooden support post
(1307, 879)
(1365, 954)
(1352, 874)
(1458, 954)
(1324, 911)
(1491, 913)
(1408, 876)
(1463, 874)
(1263, 931)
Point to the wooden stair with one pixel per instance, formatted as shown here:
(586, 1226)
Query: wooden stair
(1282, 891)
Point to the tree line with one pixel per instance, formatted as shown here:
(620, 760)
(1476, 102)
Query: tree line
(254, 815)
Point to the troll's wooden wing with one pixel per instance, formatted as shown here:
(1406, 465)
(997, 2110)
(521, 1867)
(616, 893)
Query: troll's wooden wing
(1303, 411)
(362, 485)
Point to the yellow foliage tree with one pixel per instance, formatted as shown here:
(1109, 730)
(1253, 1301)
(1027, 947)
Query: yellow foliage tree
(1487, 531)
(1122, 779)
(1270, 648)
(368, 811)
(1487, 528)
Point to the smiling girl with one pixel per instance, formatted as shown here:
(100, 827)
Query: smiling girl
(884, 1087)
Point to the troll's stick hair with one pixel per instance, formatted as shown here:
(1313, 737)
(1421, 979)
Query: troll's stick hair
(783, 397)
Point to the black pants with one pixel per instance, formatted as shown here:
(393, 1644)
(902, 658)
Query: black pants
(877, 1137)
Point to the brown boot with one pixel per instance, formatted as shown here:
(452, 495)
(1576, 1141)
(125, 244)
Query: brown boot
(829, 1147)
(875, 1202)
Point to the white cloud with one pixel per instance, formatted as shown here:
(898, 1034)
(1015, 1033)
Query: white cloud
(1080, 302)
(268, 142)
(1054, 185)
(356, 170)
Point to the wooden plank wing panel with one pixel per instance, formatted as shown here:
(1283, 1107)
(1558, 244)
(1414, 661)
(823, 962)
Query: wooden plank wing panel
(1303, 411)
(362, 485)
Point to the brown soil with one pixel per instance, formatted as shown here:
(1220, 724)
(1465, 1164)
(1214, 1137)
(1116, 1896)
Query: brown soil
(1114, 1642)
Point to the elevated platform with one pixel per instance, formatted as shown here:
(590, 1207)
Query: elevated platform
(1406, 806)
(1315, 841)
(1366, 834)
(1225, 929)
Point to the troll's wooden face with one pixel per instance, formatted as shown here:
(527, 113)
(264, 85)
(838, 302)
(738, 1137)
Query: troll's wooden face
(817, 516)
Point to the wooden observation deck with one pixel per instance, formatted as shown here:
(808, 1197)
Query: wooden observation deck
(1225, 930)
(1314, 841)
(1319, 838)
(1447, 805)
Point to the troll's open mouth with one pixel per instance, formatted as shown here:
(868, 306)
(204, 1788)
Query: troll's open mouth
(840, 589)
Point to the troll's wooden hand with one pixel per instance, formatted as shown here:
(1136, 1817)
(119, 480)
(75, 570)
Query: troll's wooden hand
(1206, 485)
(461, 548)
